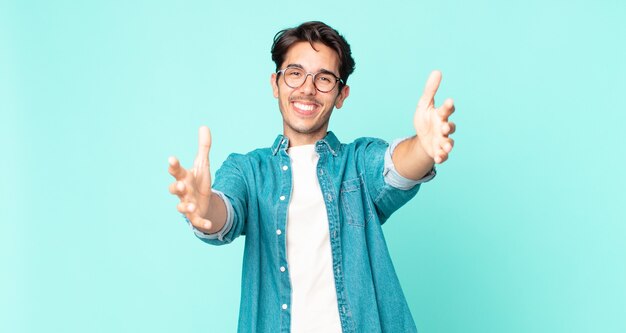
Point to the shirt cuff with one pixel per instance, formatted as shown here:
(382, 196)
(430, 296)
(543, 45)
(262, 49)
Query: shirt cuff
(393, 178)
(227, 226)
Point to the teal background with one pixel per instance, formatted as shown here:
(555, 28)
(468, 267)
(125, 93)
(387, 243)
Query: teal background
(523, 229)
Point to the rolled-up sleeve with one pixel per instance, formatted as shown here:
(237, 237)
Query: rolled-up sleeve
(227, 226)
(393, 178)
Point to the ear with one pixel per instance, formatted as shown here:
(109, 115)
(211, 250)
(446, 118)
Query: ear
(274, 84)
(343, 94)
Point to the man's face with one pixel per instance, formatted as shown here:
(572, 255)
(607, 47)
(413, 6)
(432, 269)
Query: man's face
(305, 110)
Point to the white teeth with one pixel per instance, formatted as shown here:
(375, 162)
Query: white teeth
(304, 106)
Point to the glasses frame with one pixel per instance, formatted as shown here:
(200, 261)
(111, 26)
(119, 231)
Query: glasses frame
(306, 75)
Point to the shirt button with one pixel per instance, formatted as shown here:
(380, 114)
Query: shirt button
(285, 167)
(284, 306)
(282, 198)
(278, 231)
(282, 268)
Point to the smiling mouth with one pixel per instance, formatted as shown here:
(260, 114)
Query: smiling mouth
(305, 109)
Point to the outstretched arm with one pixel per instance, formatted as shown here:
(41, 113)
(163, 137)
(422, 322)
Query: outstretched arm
(415, 157)
(204, 209)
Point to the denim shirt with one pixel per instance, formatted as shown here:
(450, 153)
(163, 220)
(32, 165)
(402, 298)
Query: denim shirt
(361, 189)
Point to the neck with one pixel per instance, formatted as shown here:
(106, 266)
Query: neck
(301, 139)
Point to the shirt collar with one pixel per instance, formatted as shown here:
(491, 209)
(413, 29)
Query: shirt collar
(281, 142)
(329, 142)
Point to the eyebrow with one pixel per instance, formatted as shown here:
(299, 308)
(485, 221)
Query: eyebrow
(323, 70)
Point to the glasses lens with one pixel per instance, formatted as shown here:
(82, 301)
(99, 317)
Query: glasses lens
(325, 82)
(294, 77)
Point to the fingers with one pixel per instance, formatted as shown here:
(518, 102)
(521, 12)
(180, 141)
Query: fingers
(187, 208)
(440, 158)
(184, 207)
(430, 89)
(204, 143)
(199, 223)
(441, 154)
(448, 128)
(446, 109)
(178, 188)
(175, 168)
(447, 145)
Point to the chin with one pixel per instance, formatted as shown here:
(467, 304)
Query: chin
(304, 129)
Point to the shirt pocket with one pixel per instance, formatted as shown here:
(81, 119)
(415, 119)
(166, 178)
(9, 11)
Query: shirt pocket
(356, 207)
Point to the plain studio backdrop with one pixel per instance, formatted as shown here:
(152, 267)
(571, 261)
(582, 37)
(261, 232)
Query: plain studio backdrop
(523, 230)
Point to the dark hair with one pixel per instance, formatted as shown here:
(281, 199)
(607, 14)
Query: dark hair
(311, 32)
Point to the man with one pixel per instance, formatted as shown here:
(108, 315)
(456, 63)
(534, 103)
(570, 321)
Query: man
(311, 208)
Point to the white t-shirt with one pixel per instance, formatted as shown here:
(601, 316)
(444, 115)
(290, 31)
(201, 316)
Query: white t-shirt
(313, 297)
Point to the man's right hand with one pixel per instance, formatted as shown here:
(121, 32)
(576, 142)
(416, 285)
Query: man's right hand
(198, 203)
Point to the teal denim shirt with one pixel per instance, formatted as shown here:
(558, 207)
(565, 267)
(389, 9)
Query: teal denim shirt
(361, 189)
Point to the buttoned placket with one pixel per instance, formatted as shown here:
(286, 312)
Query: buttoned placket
(284, 165)
(279, 232)
(332, 210)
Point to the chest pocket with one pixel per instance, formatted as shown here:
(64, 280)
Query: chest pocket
(356, 208)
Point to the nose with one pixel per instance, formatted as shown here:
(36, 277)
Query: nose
(308, 87)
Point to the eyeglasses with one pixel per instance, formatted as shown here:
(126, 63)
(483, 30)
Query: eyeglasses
(295, 77)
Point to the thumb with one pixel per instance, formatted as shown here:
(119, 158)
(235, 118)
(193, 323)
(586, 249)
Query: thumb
(204, 146)
(430, 89)
(204, 142)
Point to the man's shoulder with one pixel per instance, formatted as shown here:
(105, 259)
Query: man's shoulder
(366, 140)
(244, 165)
(363, 143)
(257, 154)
